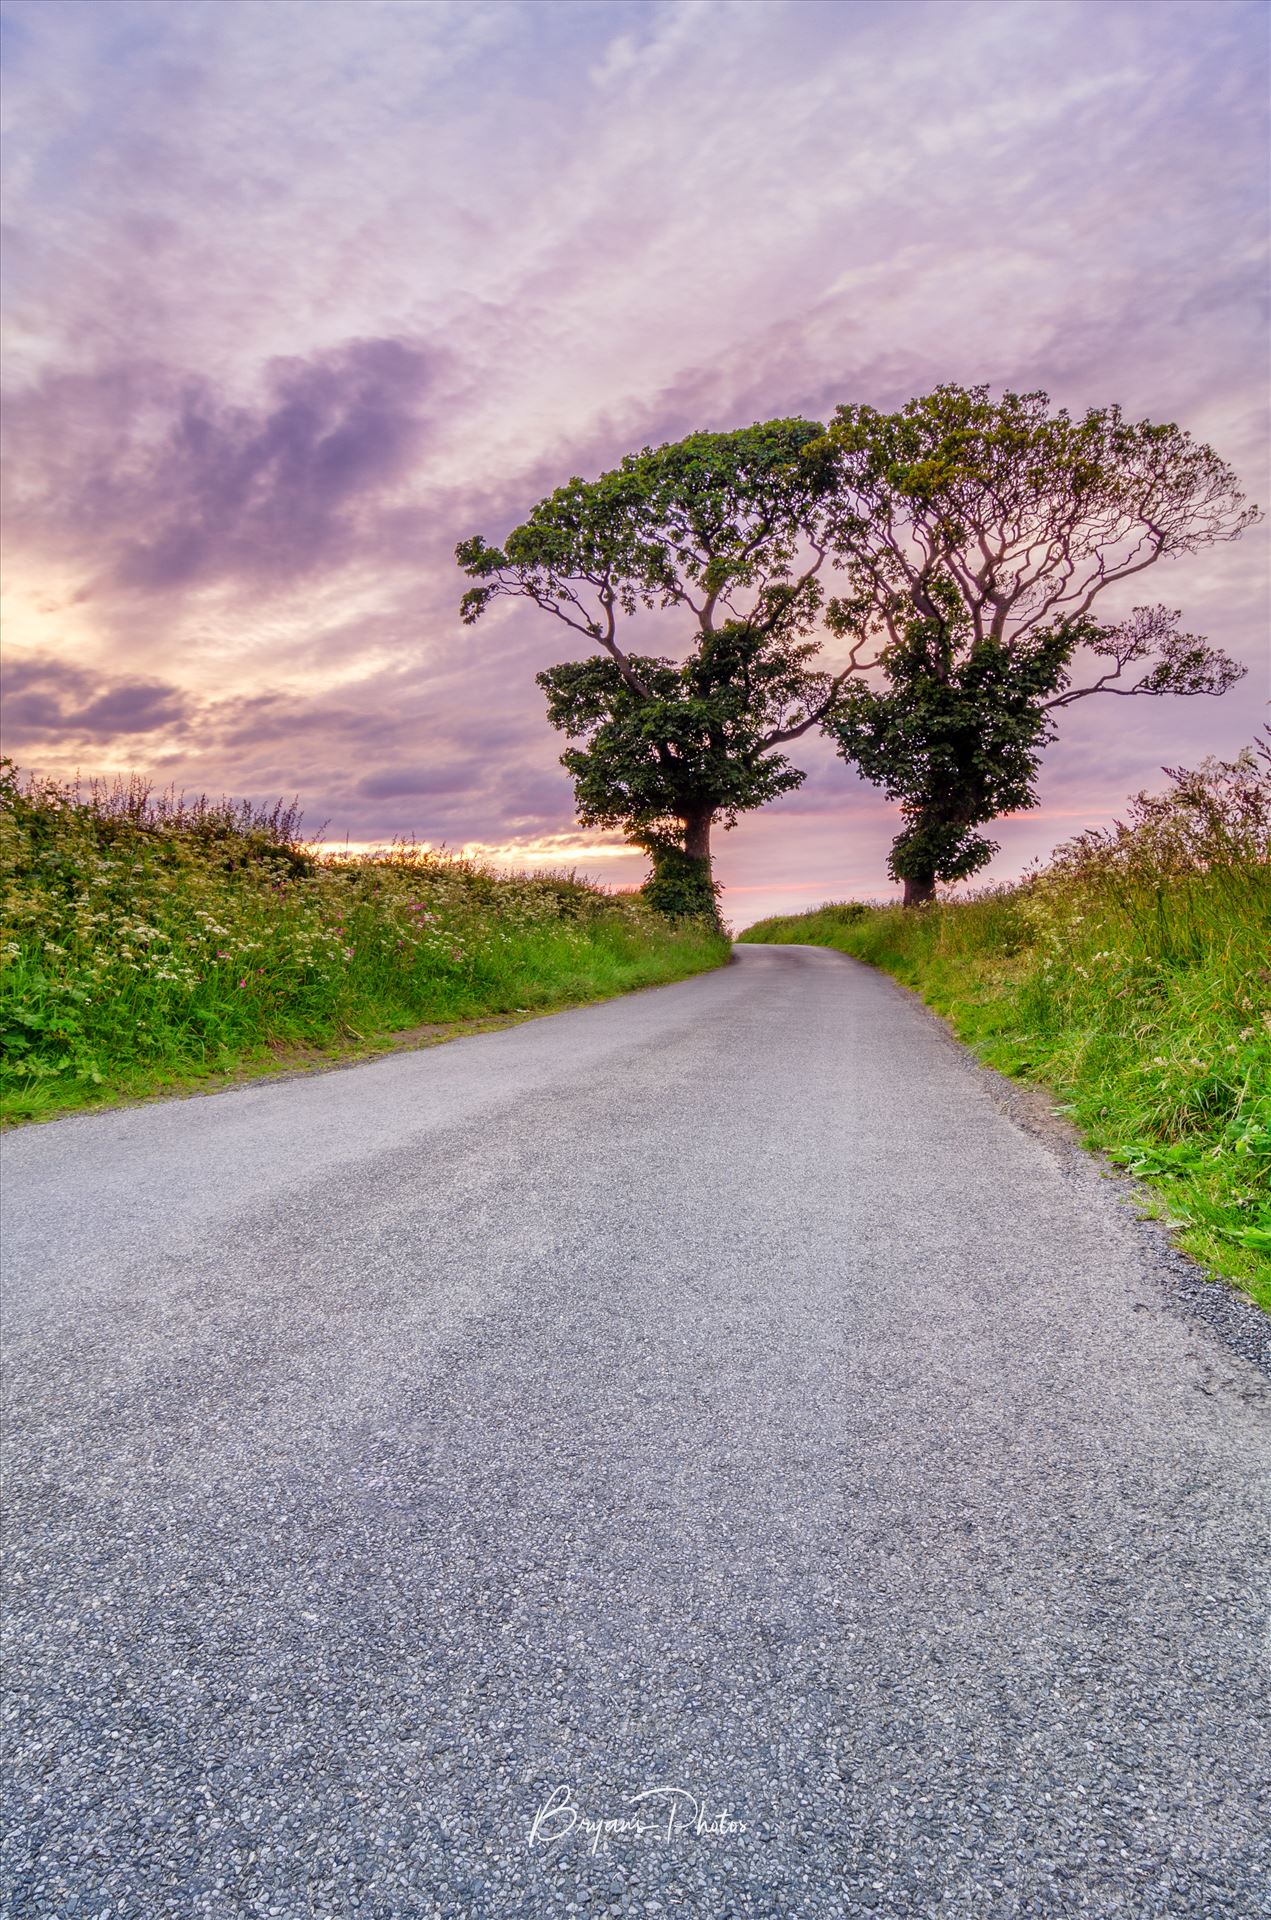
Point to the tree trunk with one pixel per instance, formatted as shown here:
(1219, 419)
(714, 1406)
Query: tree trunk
(920, 891)
(697, 833)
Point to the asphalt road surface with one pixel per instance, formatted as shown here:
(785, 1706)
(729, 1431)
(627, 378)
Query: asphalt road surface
(709, 1412)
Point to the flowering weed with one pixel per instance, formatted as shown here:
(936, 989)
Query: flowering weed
(148, 940)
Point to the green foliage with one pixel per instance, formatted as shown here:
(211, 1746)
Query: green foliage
(953, 733)
(692, 747)
(974, 536)
(1021, 506)
(682, 525)
(148, 941)
(680, 887)
(1133, 977)
(712, 529)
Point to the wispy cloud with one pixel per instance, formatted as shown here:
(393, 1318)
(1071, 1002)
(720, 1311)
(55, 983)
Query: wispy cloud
(302, 291)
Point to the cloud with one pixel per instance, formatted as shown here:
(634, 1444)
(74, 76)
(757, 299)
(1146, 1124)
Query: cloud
(164, 486)
(50, 700)
(301, 295)
(406, 782)
(272, 493)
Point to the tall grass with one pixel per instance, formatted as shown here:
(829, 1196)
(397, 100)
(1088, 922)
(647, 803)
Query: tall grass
(149, 940)
(1133, 976)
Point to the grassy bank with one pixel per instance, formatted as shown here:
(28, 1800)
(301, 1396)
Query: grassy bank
(1133, 977)
(149, 943)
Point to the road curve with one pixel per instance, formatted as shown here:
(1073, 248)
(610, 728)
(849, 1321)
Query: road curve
(707, 1412)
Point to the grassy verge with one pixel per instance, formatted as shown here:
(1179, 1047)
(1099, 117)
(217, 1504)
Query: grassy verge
(1132, 976)
(151, 945)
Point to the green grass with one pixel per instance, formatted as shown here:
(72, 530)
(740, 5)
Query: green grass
(1132, 977)
(150, 945)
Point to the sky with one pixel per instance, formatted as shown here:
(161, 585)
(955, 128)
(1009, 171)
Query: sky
(301, 292)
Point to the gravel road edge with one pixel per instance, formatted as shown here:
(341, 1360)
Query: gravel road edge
(1209, 1301)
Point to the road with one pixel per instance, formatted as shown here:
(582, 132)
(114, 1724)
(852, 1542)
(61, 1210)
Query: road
(708, 1411)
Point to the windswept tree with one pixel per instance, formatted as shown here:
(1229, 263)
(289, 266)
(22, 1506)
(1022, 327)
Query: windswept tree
(719, 541)
(975, 537)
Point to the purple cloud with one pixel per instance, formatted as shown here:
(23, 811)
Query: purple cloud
(409, 782)
(301, 296)
(174, 486)
(50, 700)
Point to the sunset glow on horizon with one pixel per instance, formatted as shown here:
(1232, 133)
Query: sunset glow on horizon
(301, 292)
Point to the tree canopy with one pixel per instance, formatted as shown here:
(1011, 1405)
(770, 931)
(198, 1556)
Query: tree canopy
(1028, 513)
(975, 537)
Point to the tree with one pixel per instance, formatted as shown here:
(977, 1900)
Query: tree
(976, 536)
(697, 745)
(719, 538)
